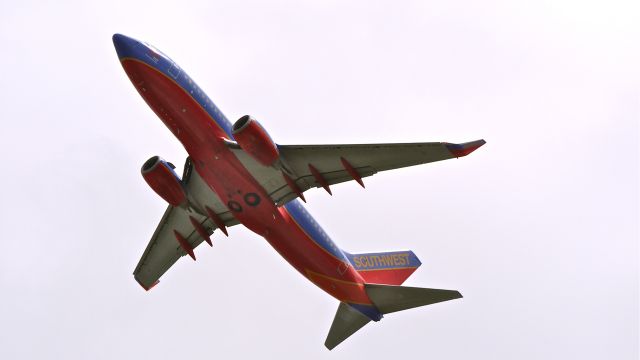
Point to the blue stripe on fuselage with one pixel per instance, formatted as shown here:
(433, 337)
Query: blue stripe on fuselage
(313, 229)
(131, 48)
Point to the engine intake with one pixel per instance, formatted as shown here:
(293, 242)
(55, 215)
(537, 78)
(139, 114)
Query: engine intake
(255, 140)
(164, 181)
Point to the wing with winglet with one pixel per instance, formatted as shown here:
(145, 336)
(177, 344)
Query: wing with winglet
(302, 167)
(309, 166)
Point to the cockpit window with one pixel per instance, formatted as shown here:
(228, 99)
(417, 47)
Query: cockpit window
(155, 50)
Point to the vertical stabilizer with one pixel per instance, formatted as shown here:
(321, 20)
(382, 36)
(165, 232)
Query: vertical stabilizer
(391, 268)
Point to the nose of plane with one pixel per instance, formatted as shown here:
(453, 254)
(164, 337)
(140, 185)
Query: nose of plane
(124, 45)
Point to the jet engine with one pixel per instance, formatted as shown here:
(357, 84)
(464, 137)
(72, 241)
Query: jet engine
(255, 141)
(164, 181)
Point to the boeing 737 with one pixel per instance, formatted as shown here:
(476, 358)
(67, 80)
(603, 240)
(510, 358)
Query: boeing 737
(236, 174)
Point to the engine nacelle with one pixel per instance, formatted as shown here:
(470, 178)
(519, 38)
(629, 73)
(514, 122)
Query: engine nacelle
(164, 181)
(255, 141)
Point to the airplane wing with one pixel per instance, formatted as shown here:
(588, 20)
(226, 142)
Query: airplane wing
(165, 247)
(303, 167)
(310, 166)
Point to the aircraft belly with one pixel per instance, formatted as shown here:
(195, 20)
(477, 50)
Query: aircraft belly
(177, 109)
(227, 184)
(229, 179)
(290, 230)
(322, 264)
(330, 273)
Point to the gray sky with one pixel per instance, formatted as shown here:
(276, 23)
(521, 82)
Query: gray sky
(538, 229)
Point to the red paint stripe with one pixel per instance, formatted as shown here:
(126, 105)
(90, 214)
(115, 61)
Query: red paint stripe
(222, 171)
(342, 290)
(387, 276)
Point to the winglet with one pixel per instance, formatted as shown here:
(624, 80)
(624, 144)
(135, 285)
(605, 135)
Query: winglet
(464, 149)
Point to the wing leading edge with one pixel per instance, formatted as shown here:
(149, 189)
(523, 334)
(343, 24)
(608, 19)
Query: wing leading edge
(310, 166)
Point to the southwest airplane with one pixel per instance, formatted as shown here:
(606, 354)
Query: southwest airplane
(236, 174)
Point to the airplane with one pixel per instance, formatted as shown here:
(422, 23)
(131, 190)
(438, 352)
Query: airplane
(236, 174)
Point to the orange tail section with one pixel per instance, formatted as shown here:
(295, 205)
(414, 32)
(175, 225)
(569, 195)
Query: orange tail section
(388, 268)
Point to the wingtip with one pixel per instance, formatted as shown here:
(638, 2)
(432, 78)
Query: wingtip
(146, 288)
(464, 149)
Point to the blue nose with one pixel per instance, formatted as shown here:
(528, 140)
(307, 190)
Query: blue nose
(125, 46)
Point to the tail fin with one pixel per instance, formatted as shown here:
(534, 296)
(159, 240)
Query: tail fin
(387, 299)
(391, 268)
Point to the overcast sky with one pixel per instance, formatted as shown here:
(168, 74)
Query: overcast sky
(538, 229)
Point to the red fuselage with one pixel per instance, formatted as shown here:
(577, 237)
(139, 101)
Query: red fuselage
(187, 112)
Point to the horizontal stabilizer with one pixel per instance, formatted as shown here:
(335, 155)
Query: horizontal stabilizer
(390, 298)
(346, 322)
